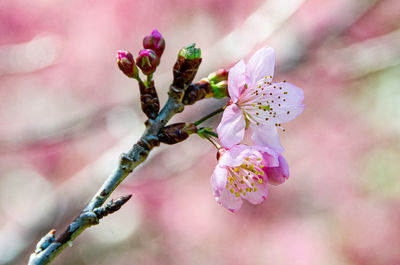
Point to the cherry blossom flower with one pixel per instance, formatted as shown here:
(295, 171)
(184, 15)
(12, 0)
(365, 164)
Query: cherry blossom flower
(257, 102)
(243, 172)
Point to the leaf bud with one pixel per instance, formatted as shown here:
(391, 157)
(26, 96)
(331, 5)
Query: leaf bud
(176, 132)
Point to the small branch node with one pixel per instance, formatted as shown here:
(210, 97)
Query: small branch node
(45, 241)
(111, 207)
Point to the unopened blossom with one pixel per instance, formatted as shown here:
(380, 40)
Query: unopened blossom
(147, 61)
(126, 64)
(155, 42)
(243, 172)
(257, 101)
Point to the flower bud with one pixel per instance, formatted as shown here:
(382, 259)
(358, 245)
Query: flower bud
(126, 64)
(220, 90)
(155, 42)
(218, 76)
(176, 133)
(147, 61)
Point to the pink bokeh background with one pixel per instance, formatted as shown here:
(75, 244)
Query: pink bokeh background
(67, 112)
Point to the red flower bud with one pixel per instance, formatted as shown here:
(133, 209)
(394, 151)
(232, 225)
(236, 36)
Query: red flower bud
(155, 42)
(126, 64)
(147, 61)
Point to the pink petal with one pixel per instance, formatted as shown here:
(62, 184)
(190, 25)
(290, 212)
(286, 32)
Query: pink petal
(278, 175)
(232, 126)
(235, 155)
(259, 196)
(229, 200)
(290, 101)
(269, 157)
(236, 79)
(218, 179)
(265, 135)
(261, 64)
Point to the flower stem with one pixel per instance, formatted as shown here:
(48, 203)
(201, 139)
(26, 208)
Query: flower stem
(216, 145)
(209, 116)
(211, 133)
(140, 81)
(149, 78)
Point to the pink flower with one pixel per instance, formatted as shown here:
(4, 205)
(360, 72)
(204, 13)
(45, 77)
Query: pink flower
(257, 101)
(243, 172)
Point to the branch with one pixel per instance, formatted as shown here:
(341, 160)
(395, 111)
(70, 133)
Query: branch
(184, 72)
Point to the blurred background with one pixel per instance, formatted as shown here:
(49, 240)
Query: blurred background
(67, 112)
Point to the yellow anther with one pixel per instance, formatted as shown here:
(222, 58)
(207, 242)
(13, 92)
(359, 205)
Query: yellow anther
(237, 194)
(231, 190)
(236, 169)
(241, 190)
(244, 193)
(255, 189)
(227, 186)
(253, 184)
(260, 181)
(262, 173)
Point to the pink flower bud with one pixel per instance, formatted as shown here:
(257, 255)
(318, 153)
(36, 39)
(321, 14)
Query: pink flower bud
(147, 61)
(126, 64)
(155, 42)
(218, 76)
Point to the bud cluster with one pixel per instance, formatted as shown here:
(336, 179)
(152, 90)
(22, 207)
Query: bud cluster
(147, 61)
(149, 58)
